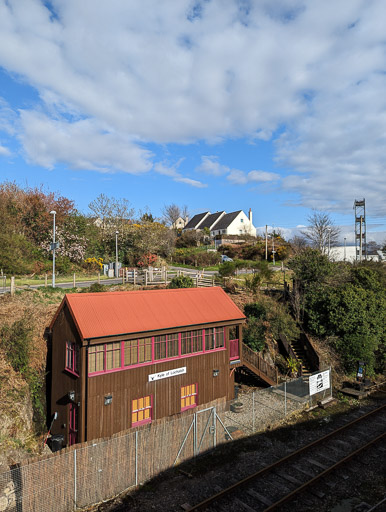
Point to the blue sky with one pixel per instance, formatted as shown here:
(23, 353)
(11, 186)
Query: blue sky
(275, 106)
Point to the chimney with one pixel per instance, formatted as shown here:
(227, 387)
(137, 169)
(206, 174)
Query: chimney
(250, 215)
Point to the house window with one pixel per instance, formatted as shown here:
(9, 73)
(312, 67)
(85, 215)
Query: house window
(172, 342)
(141, 411)
(130, 352)
(72, 357)
(209, 339)
(96, 358)
(219, 337)
(188, 397)
(160, 347)
(241, 220)
(144, 350)
(113, 356)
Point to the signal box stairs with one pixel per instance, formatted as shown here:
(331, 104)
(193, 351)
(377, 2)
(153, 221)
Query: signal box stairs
(253, 364)
(302, 351)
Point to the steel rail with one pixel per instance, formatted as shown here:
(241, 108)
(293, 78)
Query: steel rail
(215, 497)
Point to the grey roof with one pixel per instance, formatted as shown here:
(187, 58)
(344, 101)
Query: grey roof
(192, 224)
(210, 220)
(226, 220)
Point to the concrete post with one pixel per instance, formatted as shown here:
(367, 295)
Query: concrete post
(12, 285)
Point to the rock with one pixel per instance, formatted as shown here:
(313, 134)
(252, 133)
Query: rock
(3, 504)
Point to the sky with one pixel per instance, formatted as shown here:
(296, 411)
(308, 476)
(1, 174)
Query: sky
(278, 106)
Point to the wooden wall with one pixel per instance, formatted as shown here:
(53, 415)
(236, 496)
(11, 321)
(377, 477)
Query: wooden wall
(127, 385)
(63, 381)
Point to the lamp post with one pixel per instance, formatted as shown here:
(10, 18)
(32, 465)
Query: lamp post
(116, 253)
(344, 256)
(329, 241)
(53, 247)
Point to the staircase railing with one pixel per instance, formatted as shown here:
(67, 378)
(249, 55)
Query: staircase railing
(254, 359)
(289, 351)
(311, 354)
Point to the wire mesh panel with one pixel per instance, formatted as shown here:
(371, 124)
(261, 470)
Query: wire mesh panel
(104, 469)
(92, 473)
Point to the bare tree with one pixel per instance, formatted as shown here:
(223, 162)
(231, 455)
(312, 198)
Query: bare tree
(321, 232)
(171, 213)
(298, 244)
(111, 214)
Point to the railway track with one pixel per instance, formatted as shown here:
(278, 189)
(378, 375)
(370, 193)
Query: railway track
(288, 478)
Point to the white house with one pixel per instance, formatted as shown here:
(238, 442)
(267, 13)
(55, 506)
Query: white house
(235, 223)
(221, 223)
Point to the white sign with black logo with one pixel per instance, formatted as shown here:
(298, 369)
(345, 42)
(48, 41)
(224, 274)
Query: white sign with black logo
(167, 374)
(319, 382)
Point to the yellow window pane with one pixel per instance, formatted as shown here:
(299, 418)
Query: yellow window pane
(135, 405)
(140, 415)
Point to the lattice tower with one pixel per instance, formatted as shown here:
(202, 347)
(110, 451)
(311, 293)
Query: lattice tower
(360, 230)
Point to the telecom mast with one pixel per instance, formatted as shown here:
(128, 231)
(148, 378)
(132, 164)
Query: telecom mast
(360, 230)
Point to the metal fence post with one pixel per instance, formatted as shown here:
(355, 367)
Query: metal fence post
(195, 434)
(330, 383)
(75, 497)
(253, 411)
(214, 427)
(285, 398)
(136, 458)
(74, 281)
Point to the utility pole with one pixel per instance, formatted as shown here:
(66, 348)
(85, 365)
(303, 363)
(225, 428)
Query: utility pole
(344, 254)
(273, 248)
(266, 242)
(53, 248)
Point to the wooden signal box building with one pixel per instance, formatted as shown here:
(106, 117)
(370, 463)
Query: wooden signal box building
(124, 359)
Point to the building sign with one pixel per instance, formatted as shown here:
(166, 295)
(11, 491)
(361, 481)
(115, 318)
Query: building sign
(167, 374)
(319, 382)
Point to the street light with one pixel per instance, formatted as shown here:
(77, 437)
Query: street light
(53, 247)
(329, 240)
(344, 257)
(116, 253)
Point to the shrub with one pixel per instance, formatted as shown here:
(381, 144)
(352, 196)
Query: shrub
(254, 334)
(256, 310)
(181, 282)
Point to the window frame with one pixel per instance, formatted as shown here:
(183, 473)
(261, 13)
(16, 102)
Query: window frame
(72, 356)
(196, 338)
(184, 397)
(136, 411)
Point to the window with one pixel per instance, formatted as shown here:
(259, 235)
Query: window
(110, 357)
(219, 337)
(172, 340)
(141, 411)
(188, 397)
(241, 220)
(96, 358)
(160, 347)
(113, 356)
(72, 357)
(144, 350)
(209, 339)
(130, 352)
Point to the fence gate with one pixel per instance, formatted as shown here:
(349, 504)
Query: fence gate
(203, 431)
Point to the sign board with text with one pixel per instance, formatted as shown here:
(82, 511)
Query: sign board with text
(319, 382)
(167, 374)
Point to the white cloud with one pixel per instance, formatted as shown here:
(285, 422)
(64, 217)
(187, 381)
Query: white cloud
(171, 171)
(210, 165)
(81, 145)
(242, 178)
(4, 151)
(164, 72)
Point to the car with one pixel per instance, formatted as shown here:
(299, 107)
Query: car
(224, 258)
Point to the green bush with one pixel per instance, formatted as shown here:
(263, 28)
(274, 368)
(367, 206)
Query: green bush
(181, 282)
(256, 310)
(254, 334)
(15, 341)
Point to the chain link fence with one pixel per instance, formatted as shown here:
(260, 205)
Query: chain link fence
(79, 476)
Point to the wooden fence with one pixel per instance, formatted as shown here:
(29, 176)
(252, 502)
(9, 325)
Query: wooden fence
(153, 276)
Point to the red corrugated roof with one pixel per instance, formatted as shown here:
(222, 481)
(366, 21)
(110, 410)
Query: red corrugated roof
(113, 313)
